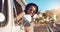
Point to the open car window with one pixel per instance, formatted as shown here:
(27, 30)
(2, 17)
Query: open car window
(17, 9)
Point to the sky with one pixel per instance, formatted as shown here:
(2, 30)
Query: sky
(45, 4)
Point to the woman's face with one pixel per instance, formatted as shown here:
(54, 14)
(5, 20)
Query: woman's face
(32, 10)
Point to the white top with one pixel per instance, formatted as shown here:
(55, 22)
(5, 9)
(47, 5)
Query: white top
(27, 17)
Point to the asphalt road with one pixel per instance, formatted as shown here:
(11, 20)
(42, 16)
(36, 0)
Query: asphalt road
(46, 29)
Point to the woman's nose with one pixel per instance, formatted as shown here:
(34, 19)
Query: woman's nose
(31, 11)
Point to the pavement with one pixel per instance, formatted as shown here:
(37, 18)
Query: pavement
(50, 29)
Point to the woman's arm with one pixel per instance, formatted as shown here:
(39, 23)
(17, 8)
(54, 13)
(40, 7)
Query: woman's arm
(19, 16)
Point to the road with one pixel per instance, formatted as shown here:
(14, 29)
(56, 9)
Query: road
(46, 29)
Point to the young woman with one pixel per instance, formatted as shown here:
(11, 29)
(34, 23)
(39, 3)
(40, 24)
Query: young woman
(30, 10)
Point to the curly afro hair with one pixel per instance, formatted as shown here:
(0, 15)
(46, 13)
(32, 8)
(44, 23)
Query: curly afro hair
(29, 5)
